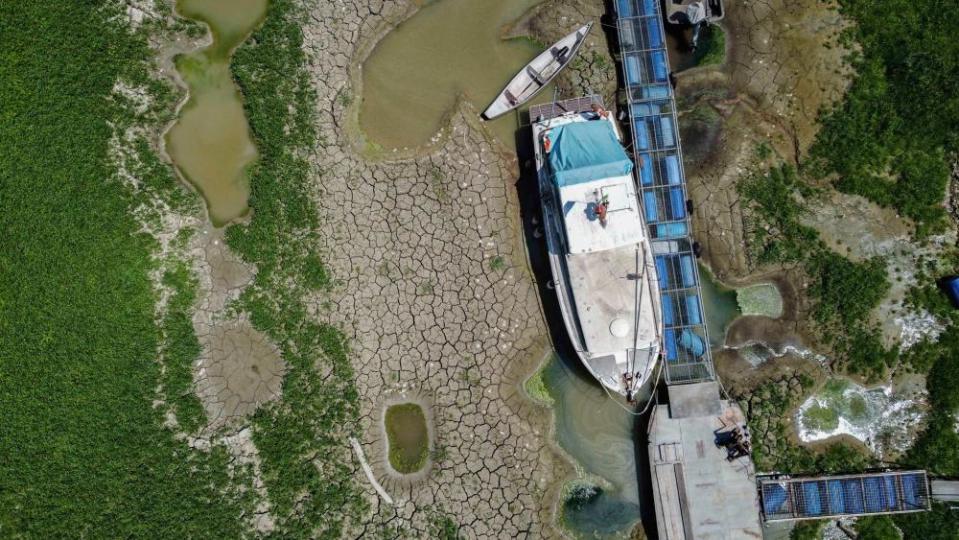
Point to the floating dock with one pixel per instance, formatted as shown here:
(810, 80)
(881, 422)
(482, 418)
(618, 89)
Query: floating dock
(698, 492)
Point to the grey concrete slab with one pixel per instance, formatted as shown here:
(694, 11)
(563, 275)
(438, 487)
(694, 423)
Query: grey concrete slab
(691, 400)
(699, 494)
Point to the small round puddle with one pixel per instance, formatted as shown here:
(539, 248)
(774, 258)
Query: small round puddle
(408, 441)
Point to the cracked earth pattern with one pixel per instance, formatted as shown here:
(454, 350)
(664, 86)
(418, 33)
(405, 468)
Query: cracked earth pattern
(239, 368)
(434, 292)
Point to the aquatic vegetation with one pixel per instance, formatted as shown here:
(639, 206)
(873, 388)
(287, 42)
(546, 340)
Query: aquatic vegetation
(84, 449)
(845, 292)
(768, 410)
(760, 299)
(937, 448)
(497, 263)
(302, 438)
(889, 138)
(407, 436)
(877, 528)
(712, 47)
(536, 388)
(879, 418)
(942, 523)
(442, 526)
(820, 418)
(807, 530)
(180, 349)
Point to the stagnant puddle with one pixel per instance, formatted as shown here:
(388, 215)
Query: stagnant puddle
(602, 437)
(719, 305)
(407, 436)
(447, 49)
(210, 143)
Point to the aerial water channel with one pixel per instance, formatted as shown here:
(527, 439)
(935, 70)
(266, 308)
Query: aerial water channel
(210, 143)
(448, 49)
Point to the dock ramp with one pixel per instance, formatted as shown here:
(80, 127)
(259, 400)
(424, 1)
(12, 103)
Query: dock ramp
(662, 183)
(847, 495)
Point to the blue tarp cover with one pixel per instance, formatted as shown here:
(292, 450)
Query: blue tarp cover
(775, 498)
(951, 284)
(586, 151)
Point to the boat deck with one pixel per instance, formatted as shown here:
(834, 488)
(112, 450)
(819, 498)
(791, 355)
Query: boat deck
(609, 286)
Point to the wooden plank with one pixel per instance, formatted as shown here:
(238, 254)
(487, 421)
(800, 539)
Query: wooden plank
(683, 502)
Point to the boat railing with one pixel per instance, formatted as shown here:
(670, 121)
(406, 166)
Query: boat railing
(553, 109)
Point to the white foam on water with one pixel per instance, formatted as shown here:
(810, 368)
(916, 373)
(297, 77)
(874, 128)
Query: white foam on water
(886, 426)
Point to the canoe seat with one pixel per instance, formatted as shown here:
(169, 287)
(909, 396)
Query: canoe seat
(509, 97)
(560, 54)
(535, 75)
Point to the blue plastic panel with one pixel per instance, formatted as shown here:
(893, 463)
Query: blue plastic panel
(692, 309)
(670, 230)
(667, 310)
(836, 504)
(852, 496)
(911, 485)
(669, 340)
(646, 169)
(672, 169)
(892, 498)
(677, 204)
(654, 33)
(661, 272)
(689, 278)
(811, 501)
(775, 499)
(649, 205)
(632, 70)
(875, 494)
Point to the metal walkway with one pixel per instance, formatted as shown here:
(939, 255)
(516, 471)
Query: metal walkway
(848, 495)
(662, 182)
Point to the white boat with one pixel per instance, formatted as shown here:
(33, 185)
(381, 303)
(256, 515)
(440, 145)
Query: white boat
(537, 74)
(599, 251)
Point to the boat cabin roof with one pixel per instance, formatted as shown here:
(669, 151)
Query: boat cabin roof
(590, 169)
(585, 233)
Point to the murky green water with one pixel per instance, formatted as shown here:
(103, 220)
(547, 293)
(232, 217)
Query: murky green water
(447, 49)
(210, 142)
(720, 305)
(601, 436)
(408, 437)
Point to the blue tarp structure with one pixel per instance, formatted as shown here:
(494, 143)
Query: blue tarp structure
(951, 286)
(586, 151)
(869, 493)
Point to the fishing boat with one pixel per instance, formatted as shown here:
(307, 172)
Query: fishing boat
(537, 74)
(602, 263)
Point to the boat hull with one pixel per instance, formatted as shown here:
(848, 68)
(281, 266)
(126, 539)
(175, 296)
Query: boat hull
(557, 251)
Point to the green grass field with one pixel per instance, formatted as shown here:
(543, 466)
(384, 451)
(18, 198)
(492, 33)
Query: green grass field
(84, 451)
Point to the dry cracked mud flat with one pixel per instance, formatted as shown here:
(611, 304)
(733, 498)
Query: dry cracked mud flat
(433, 289)
(434, 292)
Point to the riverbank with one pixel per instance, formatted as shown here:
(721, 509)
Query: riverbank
(433, 290)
